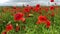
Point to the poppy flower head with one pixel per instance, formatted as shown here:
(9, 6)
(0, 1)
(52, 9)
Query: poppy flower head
(18, 16)
(36, 9)
(52, 14)
(26, 10)
(31, 7)
(51, 0)
(46, 9)
(38, 5)
(42, 18)
(48, 24)
(51, 8)
(9, 27)
(4, 32)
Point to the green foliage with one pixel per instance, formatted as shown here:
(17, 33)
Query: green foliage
(30, 24)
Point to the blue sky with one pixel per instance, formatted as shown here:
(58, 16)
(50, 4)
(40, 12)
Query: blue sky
(25, 2)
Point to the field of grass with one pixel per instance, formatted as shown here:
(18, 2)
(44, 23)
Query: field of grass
(30, 26)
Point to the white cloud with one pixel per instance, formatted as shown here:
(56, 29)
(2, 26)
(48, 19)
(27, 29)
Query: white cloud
(25, 2)
(3, 1)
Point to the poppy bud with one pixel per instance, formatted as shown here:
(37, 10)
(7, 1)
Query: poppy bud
(17, 27)
(30, 15)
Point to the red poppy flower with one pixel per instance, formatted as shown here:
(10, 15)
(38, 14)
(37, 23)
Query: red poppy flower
(30, 7)
(26, 10)
(51, 0)
(18, 16)
(47, 24)
(52, 14)
(36, 9)
(38, 5)
(9, 27)
(51, 8)
(4, 32)
(46, 9)
(42, 18)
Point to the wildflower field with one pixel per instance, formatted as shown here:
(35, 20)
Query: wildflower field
(30, 20)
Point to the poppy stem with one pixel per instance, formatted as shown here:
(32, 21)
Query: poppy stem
(52, 19)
